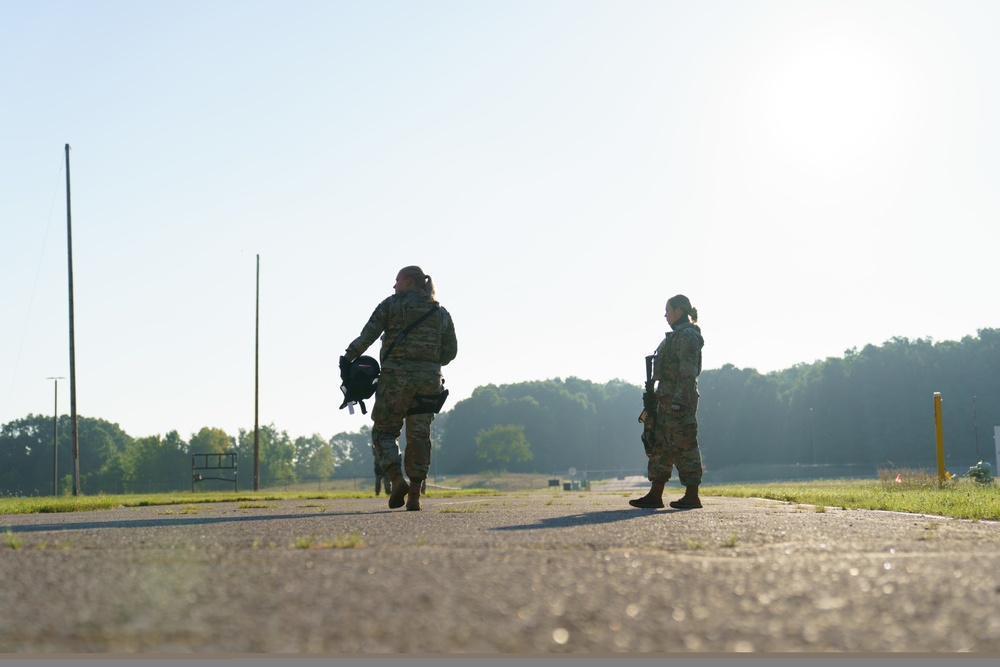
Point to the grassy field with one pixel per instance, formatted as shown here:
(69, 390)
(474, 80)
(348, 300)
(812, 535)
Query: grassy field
(915, 491)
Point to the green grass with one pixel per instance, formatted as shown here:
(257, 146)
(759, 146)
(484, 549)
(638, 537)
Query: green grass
(11, 540)
(957, 498)
(465, 509)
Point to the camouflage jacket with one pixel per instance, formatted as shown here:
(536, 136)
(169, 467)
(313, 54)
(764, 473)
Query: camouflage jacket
(678, 363)
(429, 345)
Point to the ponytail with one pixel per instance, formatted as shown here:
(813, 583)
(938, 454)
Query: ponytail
(421, 280)
(684, 303)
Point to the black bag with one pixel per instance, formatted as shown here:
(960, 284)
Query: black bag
(428, 403)
(358, 380)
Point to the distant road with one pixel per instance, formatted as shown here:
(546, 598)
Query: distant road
(538, 573)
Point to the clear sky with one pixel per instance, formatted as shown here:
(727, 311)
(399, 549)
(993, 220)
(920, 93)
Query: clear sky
(814, 175)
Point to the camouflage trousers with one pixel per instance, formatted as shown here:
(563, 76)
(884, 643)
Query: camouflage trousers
(675, 444)
(381, 480)
(394, 395)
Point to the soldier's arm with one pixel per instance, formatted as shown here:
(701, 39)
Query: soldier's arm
(659, 361)
(370, 332)
(687, 368)
(449, 343)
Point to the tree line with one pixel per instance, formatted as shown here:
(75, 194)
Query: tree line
(111, 461)
(845, 415)
(842, 416)
(871, 408)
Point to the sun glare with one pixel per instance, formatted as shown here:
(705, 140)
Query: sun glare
(828, 102)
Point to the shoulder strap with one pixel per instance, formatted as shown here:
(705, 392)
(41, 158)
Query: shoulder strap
(408, 329)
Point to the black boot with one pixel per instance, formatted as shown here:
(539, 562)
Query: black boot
(653, 499)
(399, 488)
(689, 501)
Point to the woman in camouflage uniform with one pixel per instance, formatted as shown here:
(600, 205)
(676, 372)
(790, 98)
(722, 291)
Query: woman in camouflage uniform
(675, 436)
(411, 368)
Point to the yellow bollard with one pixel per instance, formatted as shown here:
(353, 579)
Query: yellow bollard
(940, 436)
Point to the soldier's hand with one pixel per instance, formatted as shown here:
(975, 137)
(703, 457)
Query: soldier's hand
(677, 407)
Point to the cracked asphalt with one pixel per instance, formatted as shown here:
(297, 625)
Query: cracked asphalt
(532, 574)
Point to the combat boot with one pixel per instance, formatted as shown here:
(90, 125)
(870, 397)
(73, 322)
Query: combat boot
(378, 486)
(399, 488)
(413, 499)
(689, 501)
(652, 500)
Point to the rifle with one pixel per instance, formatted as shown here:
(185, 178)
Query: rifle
(648, 415)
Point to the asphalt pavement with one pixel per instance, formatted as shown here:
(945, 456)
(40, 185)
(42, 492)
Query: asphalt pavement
(521, 574)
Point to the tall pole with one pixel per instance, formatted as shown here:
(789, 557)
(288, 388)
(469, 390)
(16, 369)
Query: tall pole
(72, 339)
(55, 438)
(256, 390)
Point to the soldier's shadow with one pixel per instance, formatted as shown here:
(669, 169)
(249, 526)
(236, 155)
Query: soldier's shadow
(589, 519)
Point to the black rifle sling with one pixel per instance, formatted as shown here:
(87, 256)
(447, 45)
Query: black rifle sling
(402, 334)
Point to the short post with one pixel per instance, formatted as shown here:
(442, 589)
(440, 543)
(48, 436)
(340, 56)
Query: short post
(940, 435)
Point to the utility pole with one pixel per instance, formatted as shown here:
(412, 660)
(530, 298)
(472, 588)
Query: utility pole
(72, 340)
(55, 438)
(256, 390)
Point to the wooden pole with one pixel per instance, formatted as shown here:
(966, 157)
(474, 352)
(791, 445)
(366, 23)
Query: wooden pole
(256, 390)
(72, 339)
(55, 441)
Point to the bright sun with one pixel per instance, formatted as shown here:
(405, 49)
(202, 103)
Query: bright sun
(827, 99)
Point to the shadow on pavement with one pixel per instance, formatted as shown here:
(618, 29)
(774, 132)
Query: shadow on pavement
(166, 521)
(588, 518)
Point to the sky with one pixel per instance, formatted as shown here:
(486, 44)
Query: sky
(815, 176)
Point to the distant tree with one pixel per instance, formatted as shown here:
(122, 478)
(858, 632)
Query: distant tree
(277, 456)
(572, 423)
(102, 444)
(321, 465)
(21, 445)
(211, 441)
(155, 464)
(503, 444)
(352, 452)
(313, 455)
(26, 456)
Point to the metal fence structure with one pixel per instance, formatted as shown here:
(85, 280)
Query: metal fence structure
(222, 464)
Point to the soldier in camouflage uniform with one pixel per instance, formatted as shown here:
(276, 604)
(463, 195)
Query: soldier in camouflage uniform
(380, 478)
(675, 433)
(412, 368)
